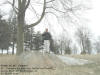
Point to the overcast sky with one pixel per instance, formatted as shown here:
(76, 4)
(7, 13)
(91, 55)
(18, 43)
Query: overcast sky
(93, 16)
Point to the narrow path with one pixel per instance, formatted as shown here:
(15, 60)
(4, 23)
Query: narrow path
(73, 61)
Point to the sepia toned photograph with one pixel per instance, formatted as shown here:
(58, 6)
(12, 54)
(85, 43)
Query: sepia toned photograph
(49, 37)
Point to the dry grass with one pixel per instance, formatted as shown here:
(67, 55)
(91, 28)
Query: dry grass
(58, 67)
(87, 56)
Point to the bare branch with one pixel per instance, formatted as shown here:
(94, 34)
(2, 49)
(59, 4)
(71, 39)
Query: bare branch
(13, 2)
(56, 9)
(50, 1)
(42, 15)
(34, 11)
(27, 4)
(23, 5)
(52, 13)
(13, 6)
(19, 3)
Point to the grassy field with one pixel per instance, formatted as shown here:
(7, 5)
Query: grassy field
(47, 64)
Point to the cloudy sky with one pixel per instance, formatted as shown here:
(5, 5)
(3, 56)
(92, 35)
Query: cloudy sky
(93, 15)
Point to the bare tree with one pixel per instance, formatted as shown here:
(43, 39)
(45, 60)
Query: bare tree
(67, 8)
(67, 46)
(97, 45)
(84, 38)
(20, 11)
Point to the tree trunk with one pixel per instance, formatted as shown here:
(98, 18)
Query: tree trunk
(22, 6)
(13, 47)
(83, 48)
(20, 33)
(7, 51)
(2, 50)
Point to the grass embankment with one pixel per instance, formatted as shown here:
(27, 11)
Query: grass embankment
(40, 60)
